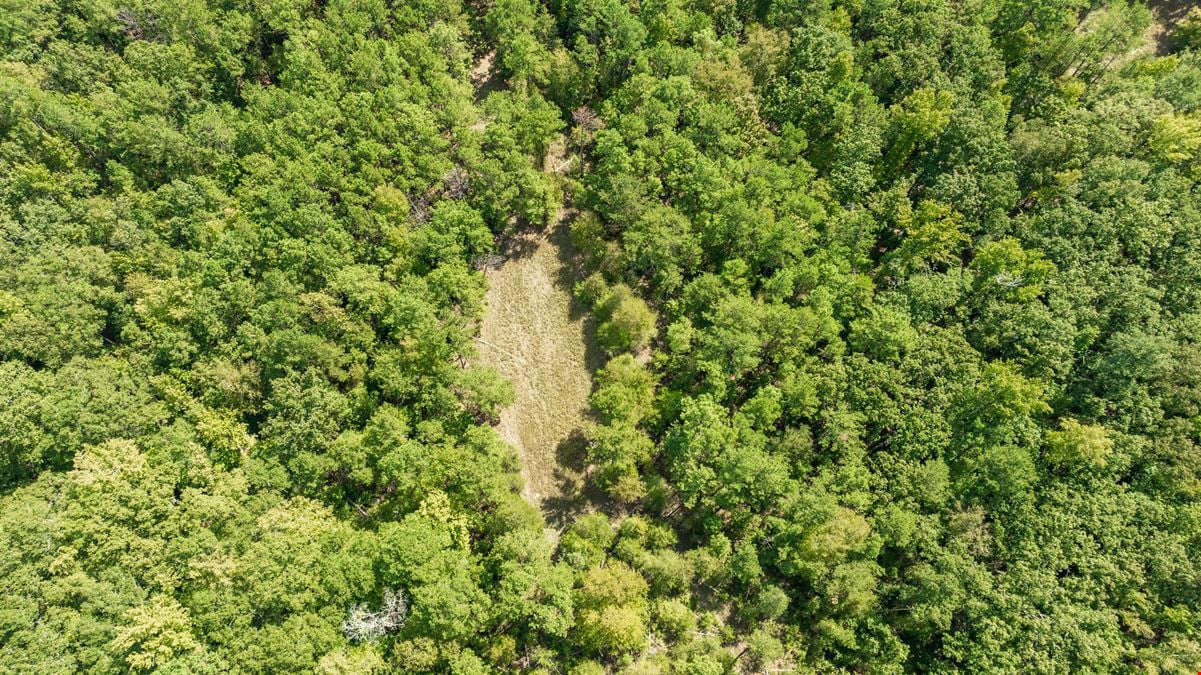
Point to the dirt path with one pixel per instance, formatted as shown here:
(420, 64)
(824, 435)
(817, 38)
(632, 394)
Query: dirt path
(538, 338)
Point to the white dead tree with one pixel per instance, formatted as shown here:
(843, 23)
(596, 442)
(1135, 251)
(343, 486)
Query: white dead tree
(364, 625)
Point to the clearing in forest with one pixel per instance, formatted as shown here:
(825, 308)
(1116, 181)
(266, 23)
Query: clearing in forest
(534, 333)
(538, 337)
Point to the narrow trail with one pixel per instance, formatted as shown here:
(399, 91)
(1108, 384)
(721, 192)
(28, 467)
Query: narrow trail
(538, 337)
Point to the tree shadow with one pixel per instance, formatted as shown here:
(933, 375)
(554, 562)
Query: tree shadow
(1168, 14)
(520, 242)
(580, 495)
(484, 77)
(571, 270)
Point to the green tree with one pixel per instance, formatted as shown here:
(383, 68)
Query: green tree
(158, 633)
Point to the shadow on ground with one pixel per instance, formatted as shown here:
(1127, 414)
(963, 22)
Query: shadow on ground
(1167, 13)
(578, 493)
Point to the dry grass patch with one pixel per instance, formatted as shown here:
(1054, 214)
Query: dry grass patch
(535, 334)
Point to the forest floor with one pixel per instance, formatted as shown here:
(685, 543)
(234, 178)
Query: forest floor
(1157, 39)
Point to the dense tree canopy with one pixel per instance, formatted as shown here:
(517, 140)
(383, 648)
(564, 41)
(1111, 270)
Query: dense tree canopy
(900, 304)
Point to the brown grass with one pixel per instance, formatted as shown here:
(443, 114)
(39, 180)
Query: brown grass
(540, 339)
(534, 333)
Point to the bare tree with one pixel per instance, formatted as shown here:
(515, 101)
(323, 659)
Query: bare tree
(138, 25)
(585, 119)
(364, 625)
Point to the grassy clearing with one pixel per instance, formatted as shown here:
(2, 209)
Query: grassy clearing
(540, 339)
(537, 337)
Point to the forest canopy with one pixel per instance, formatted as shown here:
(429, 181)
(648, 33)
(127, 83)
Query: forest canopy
(898, 306)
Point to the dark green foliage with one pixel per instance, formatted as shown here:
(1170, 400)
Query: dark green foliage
(237, 299)
(922, 276)
(900, 302)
